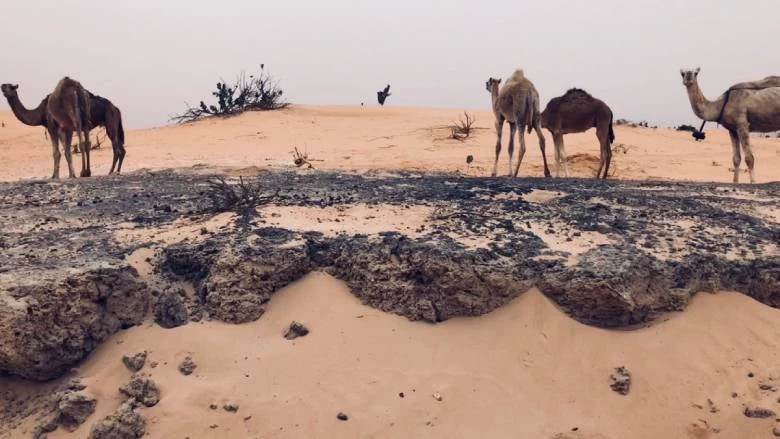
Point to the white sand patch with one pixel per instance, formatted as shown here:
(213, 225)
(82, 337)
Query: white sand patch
(558, 239)
(353, 219)
(180, 230)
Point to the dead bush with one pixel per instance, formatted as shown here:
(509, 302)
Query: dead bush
(239, 196)
(462, 129)
(252, 93)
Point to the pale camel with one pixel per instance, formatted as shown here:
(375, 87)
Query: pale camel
(68, 106)
(576, 112)
(102, 113)
(744, 108)
(518, 103)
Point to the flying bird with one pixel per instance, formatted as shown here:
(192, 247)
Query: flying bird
(383, 94)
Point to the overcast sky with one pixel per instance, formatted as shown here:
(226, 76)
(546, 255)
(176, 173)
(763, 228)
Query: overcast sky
(149, 57)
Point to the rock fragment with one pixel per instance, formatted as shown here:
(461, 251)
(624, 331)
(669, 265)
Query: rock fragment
(621, 380)
(135, 362)
(187, 366)
(296, 330)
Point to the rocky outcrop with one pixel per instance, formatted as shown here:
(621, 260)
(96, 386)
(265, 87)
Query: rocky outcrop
(245, 275)
(142, 389)
(125, 423)
(431, 281)
(68, 407)
(170, 310)
(644, 249)
(51, 320)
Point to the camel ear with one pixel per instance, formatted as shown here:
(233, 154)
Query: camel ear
(15, 86)
(698, 69)
(682, 73)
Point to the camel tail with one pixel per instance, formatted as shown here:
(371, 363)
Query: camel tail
(611, 131)
(120, 130)
(530, 112)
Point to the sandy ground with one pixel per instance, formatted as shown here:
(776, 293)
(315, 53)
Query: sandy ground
(371, 138)
(526, 370)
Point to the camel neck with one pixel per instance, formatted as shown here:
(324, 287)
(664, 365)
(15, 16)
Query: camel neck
(494, 99)
(34, 117)
(702, 107)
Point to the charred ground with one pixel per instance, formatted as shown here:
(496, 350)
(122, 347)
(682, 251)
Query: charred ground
(66, 284)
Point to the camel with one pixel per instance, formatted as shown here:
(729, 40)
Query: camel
(744, 108)
(576, 112)
(69, 106)
(102, 113)
(518, 103)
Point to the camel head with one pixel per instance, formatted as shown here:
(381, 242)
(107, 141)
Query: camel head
(492, 84)
(689, 76)
(9, 90)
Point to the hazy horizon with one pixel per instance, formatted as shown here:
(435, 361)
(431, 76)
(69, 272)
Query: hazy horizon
(151, 57)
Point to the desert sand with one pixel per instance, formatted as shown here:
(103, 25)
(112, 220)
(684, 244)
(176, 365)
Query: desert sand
(525, 370)
(370, 138)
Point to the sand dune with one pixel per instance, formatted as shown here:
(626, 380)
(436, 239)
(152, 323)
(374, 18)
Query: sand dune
(357, 138)
(525, 370)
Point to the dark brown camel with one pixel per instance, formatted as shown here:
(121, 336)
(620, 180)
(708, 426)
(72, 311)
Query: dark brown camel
(102, 113)
(576, 112)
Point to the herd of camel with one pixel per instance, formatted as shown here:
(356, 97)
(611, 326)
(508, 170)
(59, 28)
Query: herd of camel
(744, 108)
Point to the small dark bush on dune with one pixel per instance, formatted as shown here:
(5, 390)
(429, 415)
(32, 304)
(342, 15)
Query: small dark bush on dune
(253, 93)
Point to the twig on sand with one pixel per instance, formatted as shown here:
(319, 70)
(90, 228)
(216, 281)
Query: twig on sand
(301, 159)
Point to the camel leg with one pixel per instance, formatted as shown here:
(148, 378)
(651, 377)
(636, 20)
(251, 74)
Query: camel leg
(511, 148)
(81, 151)
(736, 159)
(115, 149)
(521, 134)
(114, 159)
(744, 137)
(542, 146)
(55, 151)
(606, 149)
(84, 145)
(499, 132)
(120, 157)
(67, 138)
(558, 144)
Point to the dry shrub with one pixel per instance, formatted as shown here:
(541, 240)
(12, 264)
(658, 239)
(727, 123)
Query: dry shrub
(462, 129)
(241, 196)
(252, 93)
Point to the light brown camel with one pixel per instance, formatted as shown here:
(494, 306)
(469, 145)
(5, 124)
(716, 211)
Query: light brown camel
(69, 106)
(102, 113)
(577, 112)
(744, 108)
(518, 103)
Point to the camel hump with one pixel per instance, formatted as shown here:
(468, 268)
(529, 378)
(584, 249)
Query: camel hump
(768, 82)
(517, 76)
(67, 82)
(577, 93)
